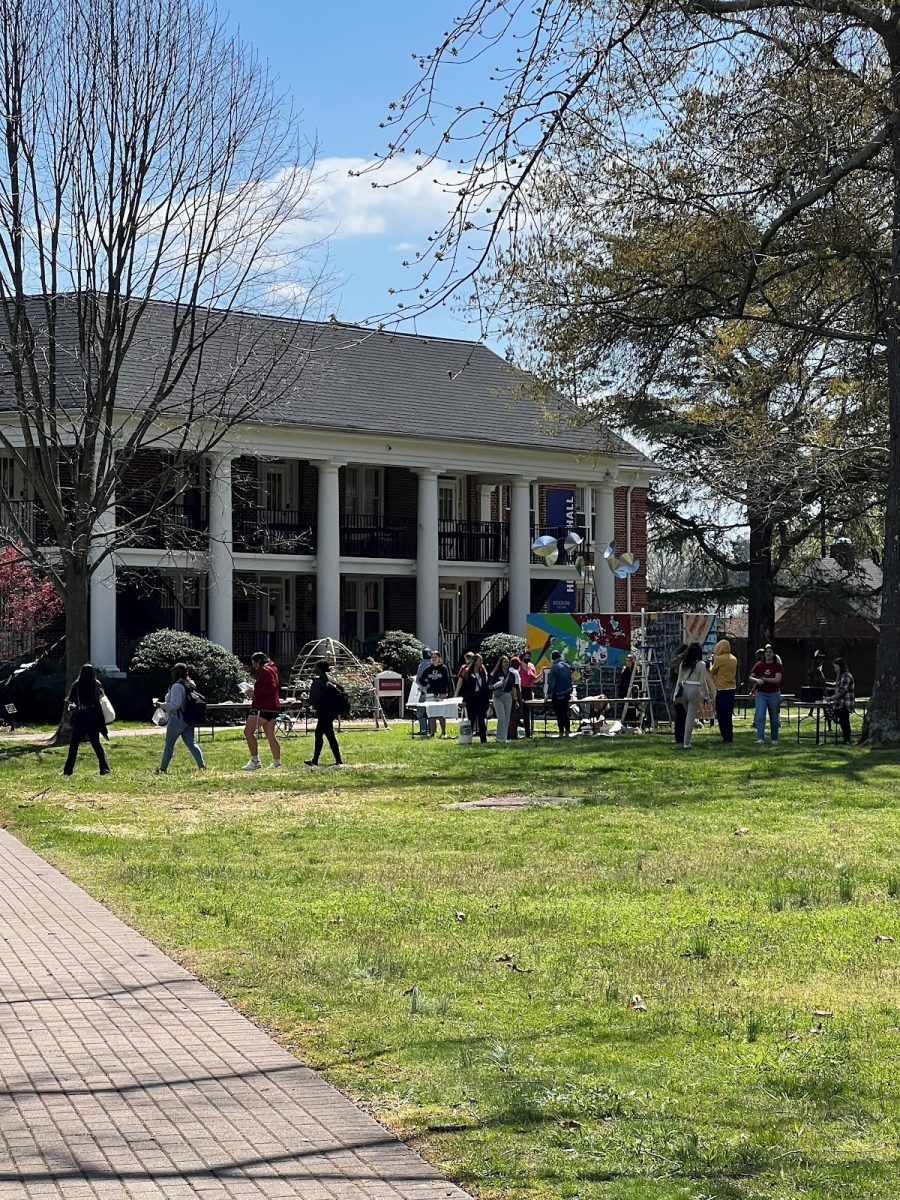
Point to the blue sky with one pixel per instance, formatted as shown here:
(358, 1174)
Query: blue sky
(343, 63)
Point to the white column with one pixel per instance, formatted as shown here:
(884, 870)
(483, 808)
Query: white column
(428, 571)
(328, 552)
(485, 492)
(604, 533)
(103, 594)
(220, 579)
(519, 554)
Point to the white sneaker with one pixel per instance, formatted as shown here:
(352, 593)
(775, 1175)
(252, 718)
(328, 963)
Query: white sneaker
(253, 765)
(275, 765)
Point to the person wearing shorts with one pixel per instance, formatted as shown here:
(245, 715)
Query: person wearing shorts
(266, 702)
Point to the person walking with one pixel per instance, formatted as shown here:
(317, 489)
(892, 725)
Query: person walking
(501, 697)
(528, 678)
(265, 703)
(844, 699)
(766, 679)
(327, 698)
(724, 675)
(692, 688)
(473, 687)
(178, 726)
(88, 721)
(559, 690)
(678, 708)
(438, 686)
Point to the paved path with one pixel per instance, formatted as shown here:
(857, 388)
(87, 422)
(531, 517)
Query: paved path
(123, 1076)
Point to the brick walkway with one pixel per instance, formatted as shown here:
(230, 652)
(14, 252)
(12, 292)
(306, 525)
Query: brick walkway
(123, 1076)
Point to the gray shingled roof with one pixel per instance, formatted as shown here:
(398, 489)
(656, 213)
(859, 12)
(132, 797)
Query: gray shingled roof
(346, 377)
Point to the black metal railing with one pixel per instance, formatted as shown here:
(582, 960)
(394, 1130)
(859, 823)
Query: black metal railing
(281, 645)
(175, 526)
(274, 531)
(377, 537)
(25, 521)
(559, 532)
(473, 541)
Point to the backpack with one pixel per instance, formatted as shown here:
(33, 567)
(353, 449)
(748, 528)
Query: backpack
(340, 701)
(194, 710)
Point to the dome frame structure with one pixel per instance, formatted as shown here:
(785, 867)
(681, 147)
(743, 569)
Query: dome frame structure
(344, 661)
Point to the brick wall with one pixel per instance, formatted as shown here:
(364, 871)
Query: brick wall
(401, 494)
(307, 487)
(400, 604)
(638, 546)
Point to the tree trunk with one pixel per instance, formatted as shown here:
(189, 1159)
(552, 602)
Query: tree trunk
(882, 726)
(760, 587)
(77, 588)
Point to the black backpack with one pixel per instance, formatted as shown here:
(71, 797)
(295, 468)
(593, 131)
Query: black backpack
(194, 711)
(334, 702)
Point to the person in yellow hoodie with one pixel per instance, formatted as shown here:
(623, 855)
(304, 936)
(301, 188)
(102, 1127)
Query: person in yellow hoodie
(724, 674)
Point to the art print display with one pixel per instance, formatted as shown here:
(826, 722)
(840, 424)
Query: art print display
(588, 640)
(582, 639)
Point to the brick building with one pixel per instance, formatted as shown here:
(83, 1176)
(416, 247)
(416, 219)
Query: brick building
(397, 484)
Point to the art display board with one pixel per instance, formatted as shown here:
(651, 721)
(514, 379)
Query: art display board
(604, 639)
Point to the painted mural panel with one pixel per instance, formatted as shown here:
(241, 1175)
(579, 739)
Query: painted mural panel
(581, 638)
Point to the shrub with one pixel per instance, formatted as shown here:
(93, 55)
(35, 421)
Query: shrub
(38, 693)
(215, 670)
(400, 651)
(497, 644)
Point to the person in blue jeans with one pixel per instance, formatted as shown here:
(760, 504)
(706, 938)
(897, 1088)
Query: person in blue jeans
(176, 726)
(766, 678)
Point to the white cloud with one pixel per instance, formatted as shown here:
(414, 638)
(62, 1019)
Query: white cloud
(347, 205)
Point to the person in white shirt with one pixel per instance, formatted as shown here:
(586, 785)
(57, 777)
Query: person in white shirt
(693, 686)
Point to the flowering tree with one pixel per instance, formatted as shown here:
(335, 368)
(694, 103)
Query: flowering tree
(28, 602)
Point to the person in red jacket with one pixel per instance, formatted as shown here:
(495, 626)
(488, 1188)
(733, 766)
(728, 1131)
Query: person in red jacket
(266, 702)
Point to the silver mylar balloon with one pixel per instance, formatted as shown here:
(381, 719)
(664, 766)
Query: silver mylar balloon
(551, 558)
(573, 540)
(622, 572)
(610, 551)
(544, 546)
(581, 566)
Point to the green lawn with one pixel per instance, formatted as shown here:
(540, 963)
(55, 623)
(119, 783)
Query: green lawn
(468, 974)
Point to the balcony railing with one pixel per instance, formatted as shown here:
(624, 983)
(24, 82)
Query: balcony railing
(376, 537)
(271, 531)
(25, 520)
(177, 526)
(559, 532)
(282, 645)
(473, 541)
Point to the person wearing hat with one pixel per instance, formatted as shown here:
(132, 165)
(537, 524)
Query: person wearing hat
(326, 697)
(423, 666)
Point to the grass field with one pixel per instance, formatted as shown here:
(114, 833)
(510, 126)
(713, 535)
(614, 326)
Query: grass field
(469, 974)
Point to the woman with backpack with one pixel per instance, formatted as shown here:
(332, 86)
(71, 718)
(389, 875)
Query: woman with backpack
(329, 700)
(179, 725)
(88, 721)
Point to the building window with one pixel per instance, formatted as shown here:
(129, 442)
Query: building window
(275, 486)
(182, 598)
(363, 491)
(450, 498)
(363, 608)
